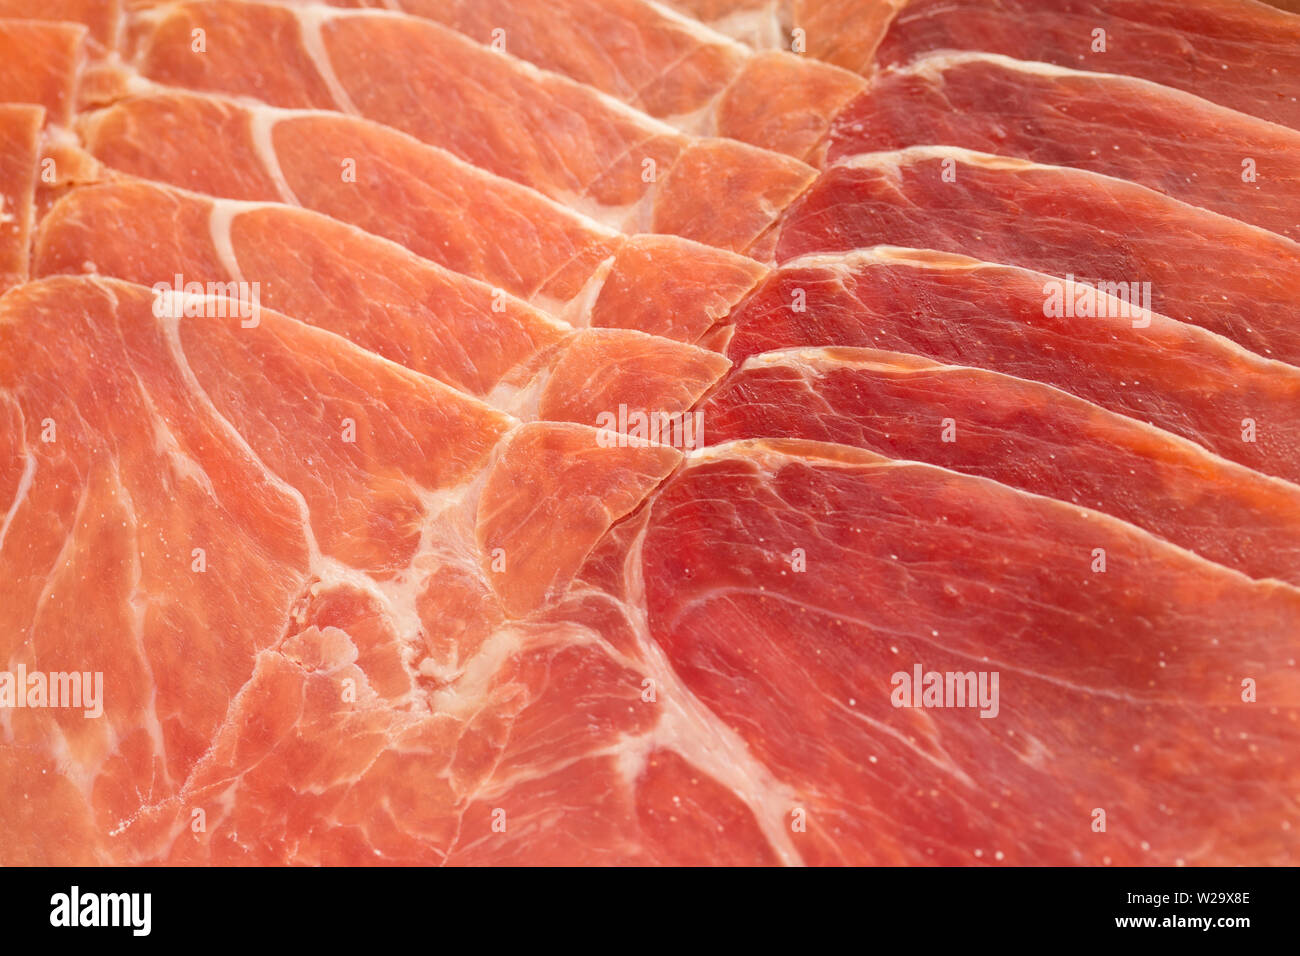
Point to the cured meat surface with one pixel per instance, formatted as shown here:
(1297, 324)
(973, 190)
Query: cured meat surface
(1216, 158)
(388, 184)
(668, 67)
(961, 312)
(1069, 223)
(1243, 55)
(20, 128)
(101, 17)
(432, 320)
(715, 432)
(1023, 435)
(38, 64)
(942, 539)
(539, 129)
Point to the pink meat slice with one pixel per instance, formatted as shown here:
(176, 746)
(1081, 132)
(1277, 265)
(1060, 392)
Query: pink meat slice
(543, 130)
(908, 564)
(435, 205)
(38, 64)
(103, 18)
(959, 311)
(20, 147)
(229, 440)
(1242, 55)
(431, 320)
(1213, 157)
(460, 625)
(668, 66)
(1022, 434)
(1065, 222)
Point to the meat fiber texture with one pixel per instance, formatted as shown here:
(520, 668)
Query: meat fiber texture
(722, 432)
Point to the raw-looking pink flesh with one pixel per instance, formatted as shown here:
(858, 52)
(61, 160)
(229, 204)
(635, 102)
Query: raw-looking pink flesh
(1216, 158)
(629, 399)
(20, 128)
(1064, 222)
(541, 130)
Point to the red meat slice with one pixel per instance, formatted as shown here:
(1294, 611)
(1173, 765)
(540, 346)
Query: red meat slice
(962, 312)
(908, 564)
(666, 65)
(102, 17)
(1218, 159)
(38, 64)
(1022, 434)
(1065, 222)
(229, 439)
(424, 199)
(437, 617)
(542, 130)
(20, 144)
(433, 321)
(1242, 55)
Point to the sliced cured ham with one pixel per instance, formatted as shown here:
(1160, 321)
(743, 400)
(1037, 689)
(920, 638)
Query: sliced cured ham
(1023, 435)
(959, 311)
(1243, 55)
(433, 321)
(668, 66)
(1216, 158)
(590, 478)
(759, 23)
(425, 199)
(539, 129)
(103, 18)
(286, 514)
(38, 64)
(20, 132)
(1067, 222)
(1141, 666)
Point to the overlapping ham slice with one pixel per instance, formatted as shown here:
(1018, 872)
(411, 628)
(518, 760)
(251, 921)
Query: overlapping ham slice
(408, 310)
(102, 18)
(425, 199)
(960, 311)
(435, 617)
(1216, 158)
(38, 64)
(542, 130)
(324, 564)
(1065, 222)
(1245, 56)
(20, 144)
(668, 66)
(1140, 668)
(1022, 434)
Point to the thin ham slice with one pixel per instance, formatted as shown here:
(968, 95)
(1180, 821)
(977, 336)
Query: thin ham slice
(435, 205)
(393, 575)
(1022, 434)
(1239, 53)
(668, 66)
(1243, 55)
(427, 318)
(256, 472)
(539, 129)
(38, 64)
(1217, 158)
(103, 18)
(1141, 667)
(1062, 221)
(20, 144)
(960, 311)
